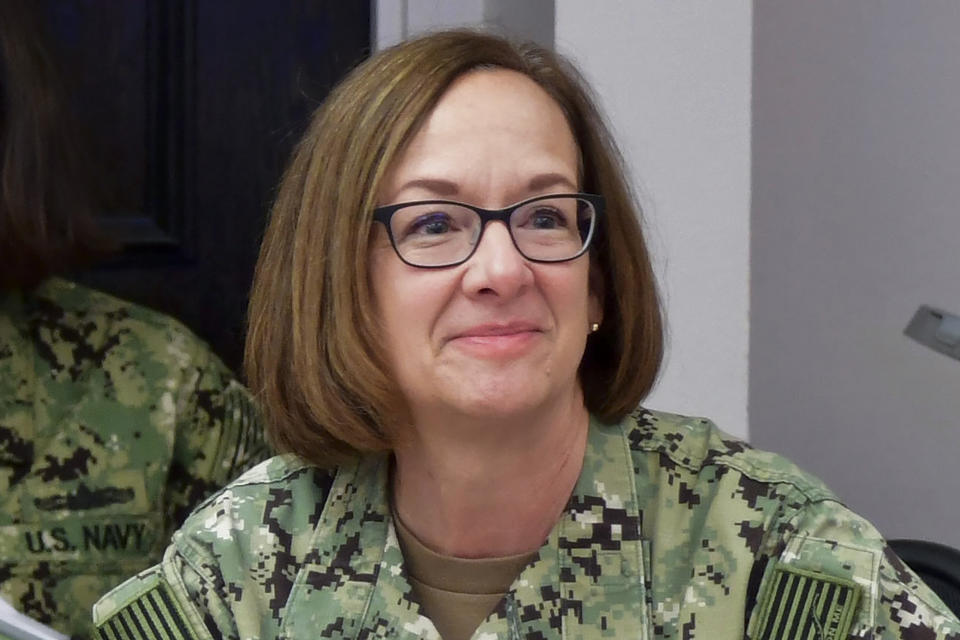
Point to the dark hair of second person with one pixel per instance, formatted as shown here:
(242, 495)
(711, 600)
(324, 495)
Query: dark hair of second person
(46, 197)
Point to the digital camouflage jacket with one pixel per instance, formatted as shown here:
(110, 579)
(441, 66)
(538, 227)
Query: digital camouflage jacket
(115, 421)
(674, 530)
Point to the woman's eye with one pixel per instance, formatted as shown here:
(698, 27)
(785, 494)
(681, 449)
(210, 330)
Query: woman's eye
(431, 224)
(547, 219)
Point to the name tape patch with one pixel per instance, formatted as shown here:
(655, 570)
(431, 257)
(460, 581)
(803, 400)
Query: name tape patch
(74, 538)
(805, 605)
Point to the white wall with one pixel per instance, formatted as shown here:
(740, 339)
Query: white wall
(856, 222)
(674, 78)
(396, 20)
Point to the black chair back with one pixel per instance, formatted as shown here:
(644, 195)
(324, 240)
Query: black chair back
(938, 565)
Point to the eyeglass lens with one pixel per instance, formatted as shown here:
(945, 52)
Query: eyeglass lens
(551, 229)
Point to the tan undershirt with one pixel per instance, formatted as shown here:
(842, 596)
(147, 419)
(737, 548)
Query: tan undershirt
(456, 593)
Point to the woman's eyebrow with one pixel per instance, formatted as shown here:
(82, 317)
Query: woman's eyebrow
(438, 186)
(447, 188)
(546, 180)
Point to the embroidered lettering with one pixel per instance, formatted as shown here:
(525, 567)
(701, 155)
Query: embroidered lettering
(35, 541)
(47, 540)
(113, 537)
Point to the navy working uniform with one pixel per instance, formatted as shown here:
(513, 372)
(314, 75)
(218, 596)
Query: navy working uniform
(115, 421)
(674, 530)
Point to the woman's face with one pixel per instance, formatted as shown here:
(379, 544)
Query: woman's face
(498, 334)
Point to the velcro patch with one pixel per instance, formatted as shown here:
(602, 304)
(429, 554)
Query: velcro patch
(154, 615)
(805, 605)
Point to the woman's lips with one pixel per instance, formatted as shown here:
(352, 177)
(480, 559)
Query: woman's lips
(497, 329)
(497, 340)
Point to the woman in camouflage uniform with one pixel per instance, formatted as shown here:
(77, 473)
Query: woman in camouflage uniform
(453, 320)
(114, 420)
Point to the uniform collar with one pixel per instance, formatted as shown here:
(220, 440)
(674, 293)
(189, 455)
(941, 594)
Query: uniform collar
(587, 577)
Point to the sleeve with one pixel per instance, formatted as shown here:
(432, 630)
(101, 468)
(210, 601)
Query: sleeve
(219, 434)
(195, 592)
(835, 575)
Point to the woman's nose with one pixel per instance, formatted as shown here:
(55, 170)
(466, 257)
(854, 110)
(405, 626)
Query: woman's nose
(496, 267)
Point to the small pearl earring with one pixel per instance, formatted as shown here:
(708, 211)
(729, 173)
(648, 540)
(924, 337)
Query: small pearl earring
(594, 327)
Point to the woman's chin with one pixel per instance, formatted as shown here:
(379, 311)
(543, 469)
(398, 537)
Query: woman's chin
(503, 397)
(478, 388)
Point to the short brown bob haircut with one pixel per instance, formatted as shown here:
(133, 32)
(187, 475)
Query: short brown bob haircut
(314, 356)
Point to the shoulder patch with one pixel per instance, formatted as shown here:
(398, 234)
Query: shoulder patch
(153, 615)
(805, 605)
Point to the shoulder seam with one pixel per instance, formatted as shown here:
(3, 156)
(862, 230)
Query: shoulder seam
(294, 464)
(811, 493)
(241, 481)
(696, 461)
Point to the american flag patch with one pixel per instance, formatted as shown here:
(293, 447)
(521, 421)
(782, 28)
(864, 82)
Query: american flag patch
(152, 616)
(805, 605)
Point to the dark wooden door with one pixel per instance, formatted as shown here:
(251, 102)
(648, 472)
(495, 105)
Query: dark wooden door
(194, 107)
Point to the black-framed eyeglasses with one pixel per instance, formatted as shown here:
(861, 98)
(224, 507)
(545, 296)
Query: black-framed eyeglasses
(443, 233)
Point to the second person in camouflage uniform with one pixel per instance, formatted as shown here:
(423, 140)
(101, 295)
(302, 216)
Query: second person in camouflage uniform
(114, 420)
